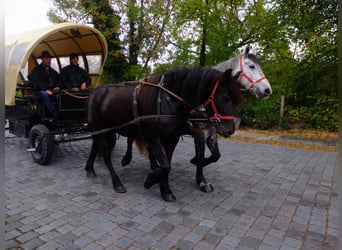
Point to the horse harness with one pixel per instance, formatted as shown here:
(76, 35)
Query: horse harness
(216, 119)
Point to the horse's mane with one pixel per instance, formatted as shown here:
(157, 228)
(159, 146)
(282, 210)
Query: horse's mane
(253, 57)
(198, 82)
(228, 64)
(235, 90)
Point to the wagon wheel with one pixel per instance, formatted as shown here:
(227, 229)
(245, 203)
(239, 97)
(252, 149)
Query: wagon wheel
(42, 143)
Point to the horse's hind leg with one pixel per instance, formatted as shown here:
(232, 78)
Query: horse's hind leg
(106, 143)
(117, 185)
(90, 162)
(162, 174)
(128, 156)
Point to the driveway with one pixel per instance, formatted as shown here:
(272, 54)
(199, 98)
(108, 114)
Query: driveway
(265, 197)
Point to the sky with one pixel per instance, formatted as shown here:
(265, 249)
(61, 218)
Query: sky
(24, 15)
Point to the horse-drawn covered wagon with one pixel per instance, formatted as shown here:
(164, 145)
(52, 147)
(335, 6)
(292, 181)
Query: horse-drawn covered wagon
(156, 110)
(24, 111)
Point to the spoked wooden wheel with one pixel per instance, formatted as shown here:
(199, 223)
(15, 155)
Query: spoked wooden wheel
(41, 144)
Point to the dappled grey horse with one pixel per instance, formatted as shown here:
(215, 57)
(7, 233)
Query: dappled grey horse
(252, 79)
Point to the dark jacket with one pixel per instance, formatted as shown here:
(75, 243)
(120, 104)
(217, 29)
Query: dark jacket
(45, 79)
(74, 76)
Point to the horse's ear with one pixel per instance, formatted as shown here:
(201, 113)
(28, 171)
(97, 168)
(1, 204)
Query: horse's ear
(228, 72)
(247, 50)
(237, 75)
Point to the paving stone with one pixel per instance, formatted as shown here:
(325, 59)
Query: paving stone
(32, 244)
(250, 242)
(82, 241)
(265, 197)
(27, 237)
(291, 242)
(51, 245)
(65, 239)
(12, 234)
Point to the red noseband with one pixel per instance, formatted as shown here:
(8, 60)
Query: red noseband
(217, 117)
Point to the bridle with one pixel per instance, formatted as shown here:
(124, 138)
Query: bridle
(249, 79)
(216, 119)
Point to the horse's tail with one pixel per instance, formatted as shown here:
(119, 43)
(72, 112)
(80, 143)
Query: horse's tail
(141, 145)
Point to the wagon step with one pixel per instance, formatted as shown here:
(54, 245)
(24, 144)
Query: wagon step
(31, 149)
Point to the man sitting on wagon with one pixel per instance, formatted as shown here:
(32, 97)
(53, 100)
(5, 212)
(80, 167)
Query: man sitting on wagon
(47, 81)
(74, 77)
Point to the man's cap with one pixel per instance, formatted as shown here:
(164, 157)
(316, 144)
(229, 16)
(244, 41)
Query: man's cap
(45, 53)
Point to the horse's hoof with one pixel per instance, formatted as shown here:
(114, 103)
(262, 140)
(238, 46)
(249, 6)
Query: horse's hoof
(169, 197)
(91, 175)
(125, 161)
(193, 161)
(206, 187)
(120, 189)
(152, 178)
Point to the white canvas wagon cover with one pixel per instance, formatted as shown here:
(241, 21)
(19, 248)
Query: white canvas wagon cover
(60, 40)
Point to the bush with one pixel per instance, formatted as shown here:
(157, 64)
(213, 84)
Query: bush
(259, 114)
(322, 115)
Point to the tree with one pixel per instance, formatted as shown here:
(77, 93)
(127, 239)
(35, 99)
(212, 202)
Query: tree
(144, 27)
(102, 16)
(106, 21)
(295, 40)
(68, 11)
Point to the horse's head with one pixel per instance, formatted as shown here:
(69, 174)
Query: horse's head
(252, 78)
(220, 105)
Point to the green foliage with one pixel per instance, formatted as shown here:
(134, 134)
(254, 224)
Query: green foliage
(135, 72)
(295, 40)
(322, 115)
(259, 114)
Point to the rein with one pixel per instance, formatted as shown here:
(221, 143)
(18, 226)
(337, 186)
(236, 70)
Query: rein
(216, 119)
(249, 79)
(159, 85)
(146, 118)
(73, 95)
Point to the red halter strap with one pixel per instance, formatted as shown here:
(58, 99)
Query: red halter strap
(217, 117)
(243, 74)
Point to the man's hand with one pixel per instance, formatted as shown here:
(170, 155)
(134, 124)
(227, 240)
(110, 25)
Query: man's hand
(56, 89)
(83, 86)
(49, 92)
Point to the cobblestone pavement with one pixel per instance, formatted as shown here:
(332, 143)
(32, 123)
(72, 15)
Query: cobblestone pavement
(265, 197)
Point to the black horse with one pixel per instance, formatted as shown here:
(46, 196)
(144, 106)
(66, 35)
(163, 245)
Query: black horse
(156, 110)
(202, 128)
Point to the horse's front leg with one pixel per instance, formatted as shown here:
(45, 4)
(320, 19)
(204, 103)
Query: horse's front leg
(153, 162)
(160, 175)
(128, 156)
(199, 161)
(214, 149)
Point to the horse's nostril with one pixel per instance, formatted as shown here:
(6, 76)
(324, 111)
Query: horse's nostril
(267, 91)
